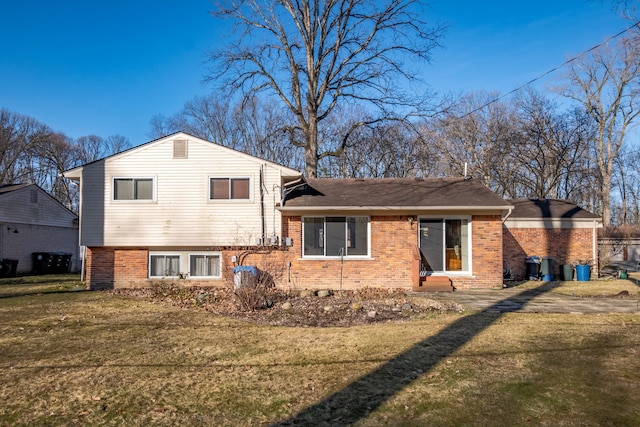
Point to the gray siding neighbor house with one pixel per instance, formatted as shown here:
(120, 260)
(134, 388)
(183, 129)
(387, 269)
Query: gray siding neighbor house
(32, 221)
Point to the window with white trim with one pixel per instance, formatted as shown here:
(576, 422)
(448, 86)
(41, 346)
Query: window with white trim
(445, 244)
(335, 236)
(205, 265)
(132, 188)
(164, 265)
(230, 188)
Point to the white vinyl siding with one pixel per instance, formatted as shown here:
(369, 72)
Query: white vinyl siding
(181, 213)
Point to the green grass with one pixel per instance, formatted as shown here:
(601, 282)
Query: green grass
(93, 358)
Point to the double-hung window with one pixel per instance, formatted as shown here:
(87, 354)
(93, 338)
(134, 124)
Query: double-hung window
(335, 236)
(229, 189)
(132, 188)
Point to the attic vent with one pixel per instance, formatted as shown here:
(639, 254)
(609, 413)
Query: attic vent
(34, 195)
(180, 149)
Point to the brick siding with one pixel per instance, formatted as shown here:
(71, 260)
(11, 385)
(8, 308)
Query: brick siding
(392, 240)
(564, 245)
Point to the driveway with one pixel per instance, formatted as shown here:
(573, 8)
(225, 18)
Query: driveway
(534, 301)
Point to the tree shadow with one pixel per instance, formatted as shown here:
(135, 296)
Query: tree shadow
(363, 396)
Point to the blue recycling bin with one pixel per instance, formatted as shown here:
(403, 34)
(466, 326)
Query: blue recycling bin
(583, 272)
(244, 275)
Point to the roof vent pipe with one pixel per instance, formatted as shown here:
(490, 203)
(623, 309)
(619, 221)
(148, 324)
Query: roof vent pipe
(465, 170)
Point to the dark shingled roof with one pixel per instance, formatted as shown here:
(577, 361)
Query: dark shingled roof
(394, 192)
(548, 208)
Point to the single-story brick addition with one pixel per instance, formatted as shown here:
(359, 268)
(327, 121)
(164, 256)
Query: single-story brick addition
(550, 228)
(183, 208)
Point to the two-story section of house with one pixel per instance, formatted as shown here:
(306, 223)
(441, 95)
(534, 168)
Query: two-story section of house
(175, 206)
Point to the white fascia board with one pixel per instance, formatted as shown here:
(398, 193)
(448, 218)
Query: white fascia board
(413, 209)
(552, 223)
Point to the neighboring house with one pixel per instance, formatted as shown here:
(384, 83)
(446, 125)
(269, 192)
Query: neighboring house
(176, 206)
(33, 221)
(550, 228)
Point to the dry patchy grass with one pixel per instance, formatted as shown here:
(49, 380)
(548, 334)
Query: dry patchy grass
(95, 358)
(593, 288)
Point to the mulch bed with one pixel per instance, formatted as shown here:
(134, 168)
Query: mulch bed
(302, 308)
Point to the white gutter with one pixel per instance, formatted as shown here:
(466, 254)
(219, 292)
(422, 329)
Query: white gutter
(389, 208)
(508, 214)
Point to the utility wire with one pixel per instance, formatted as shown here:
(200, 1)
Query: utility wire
(568, 61)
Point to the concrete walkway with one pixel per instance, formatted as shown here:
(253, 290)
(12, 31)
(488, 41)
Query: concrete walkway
(534, 301)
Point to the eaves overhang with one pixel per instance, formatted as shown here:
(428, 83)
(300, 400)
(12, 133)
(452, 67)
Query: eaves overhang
(292, 209)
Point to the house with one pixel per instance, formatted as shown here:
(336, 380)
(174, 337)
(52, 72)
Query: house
(184, 207)
(555, 229)
(181, 207)
(32, 221)
(176, 206)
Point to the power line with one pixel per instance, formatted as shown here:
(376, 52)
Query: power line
(607, 40)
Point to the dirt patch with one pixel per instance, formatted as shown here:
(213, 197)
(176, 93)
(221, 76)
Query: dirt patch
(301, 307)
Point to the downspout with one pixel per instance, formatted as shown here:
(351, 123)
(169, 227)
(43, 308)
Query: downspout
(595, 247)
(507, 215)
(262, 218)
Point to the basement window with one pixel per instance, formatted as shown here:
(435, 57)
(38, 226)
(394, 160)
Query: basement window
(205, 265)
(164, 265)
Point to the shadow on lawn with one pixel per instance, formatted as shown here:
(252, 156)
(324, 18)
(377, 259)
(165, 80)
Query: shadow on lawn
(367, 393)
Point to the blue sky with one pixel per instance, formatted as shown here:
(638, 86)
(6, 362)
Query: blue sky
(106, 67)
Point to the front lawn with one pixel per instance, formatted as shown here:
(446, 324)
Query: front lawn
(96, 358)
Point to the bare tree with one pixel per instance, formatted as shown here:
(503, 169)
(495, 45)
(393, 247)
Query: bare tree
(480, 138)
(315, 55)
(20, 139)
(606, 83)
(550, 149)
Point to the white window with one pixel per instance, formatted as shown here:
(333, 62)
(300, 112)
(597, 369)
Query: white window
(164, 265)
(205, 265)
(336, 236)
(132, 188)
(445, 244)
(230, 188)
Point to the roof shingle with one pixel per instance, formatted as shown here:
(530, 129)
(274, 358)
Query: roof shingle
(394, 193)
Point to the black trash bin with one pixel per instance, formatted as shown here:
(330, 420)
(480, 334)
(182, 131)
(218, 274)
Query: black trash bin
(533, 268)
(65, 262)
(42, 262)
(8, 267)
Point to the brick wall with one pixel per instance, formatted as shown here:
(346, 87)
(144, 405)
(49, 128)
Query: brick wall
(486, 248)
(392, 240)
(564, 245)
